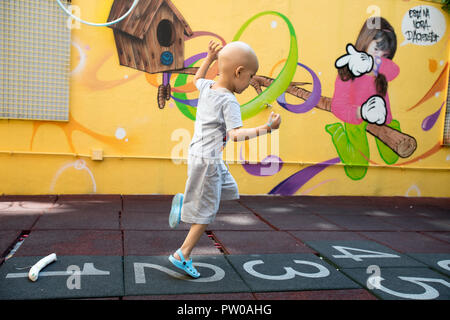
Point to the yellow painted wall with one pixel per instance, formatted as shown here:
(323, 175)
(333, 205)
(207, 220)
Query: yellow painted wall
(114, 109)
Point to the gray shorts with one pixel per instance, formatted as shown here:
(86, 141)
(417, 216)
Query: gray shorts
(208, 183)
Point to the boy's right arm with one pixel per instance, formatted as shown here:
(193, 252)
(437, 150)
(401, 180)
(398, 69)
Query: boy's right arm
(241, 134)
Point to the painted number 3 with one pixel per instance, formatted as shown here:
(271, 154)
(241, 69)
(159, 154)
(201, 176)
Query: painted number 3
(290, 273)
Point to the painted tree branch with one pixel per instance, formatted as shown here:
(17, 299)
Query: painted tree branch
(402, 144)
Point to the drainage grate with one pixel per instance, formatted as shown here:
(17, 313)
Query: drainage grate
(217, 243)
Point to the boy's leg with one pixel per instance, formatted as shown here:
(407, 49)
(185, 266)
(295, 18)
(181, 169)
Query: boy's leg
(194, 235)
(229, 188)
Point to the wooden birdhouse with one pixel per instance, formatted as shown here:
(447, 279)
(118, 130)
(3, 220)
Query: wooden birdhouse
(151, 37)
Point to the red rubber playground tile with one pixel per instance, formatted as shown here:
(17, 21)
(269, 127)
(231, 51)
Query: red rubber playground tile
(273, 205)
(232, 207)
(326, 235)
(7, 239)
(259, 242)
(443, 236)
(161, 243)
(362, 222)
(419, 223)
(88, 202)
(409, 242)
(19, 219)
(27, 202)
(298, 221)
(350, 294)
(210, 296)
(145, 220)
(238, 221)
(91, 216)
(72, 242)
(147, 203)
(90, 197)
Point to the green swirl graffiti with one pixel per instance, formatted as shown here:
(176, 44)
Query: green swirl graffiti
(278, 86)
(284, 78)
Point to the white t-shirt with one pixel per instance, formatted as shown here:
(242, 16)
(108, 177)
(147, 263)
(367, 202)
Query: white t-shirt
(218, 112)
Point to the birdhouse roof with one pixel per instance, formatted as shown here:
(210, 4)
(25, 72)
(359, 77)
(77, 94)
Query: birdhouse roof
(140, 19)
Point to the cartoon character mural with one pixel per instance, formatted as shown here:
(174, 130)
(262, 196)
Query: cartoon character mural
(361, 100)
(361, 96)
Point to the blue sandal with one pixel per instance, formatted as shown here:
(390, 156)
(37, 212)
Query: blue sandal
(184, 265)
(175, 212)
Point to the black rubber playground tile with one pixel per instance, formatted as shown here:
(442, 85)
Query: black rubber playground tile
(157, 275)
(361, 254)
(67, 277)
(437, 261)
(288, 272)
(402, 283)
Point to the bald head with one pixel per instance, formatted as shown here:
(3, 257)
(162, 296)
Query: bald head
(237, 54)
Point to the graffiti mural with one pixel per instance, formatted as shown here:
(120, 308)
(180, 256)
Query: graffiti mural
(357, 95)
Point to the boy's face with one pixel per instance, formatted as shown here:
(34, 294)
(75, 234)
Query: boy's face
(244, 75)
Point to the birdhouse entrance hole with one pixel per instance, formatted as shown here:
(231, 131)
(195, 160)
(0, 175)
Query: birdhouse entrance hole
(165, 33)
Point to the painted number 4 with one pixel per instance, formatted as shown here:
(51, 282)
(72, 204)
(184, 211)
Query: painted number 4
(358, 257)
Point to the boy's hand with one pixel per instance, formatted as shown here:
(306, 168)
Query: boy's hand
(274, 120)
(213, 50)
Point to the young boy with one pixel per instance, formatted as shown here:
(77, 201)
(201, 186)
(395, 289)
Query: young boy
(218, 119)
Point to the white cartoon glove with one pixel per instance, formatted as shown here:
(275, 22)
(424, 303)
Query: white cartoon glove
(374, 110)
(358, 62)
